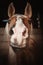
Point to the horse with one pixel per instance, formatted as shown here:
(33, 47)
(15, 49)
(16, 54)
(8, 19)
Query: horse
(17, 31)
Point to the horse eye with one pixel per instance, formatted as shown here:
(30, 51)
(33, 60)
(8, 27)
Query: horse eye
(24, 32)
(11, 32)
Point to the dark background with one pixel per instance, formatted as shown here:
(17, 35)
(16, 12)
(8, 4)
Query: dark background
(37, 7)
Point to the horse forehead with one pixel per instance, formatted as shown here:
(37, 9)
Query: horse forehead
(19, 19)
(19, 23)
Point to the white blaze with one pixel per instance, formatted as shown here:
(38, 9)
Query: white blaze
(18, 30)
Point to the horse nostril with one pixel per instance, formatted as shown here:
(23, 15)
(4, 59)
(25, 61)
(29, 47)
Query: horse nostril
(24, 32)
(11, 32)
(15, 40)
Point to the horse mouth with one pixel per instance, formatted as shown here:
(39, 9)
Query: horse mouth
(17, 46)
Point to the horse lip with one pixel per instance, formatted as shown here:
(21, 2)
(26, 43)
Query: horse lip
(13, 44)
(17, 46)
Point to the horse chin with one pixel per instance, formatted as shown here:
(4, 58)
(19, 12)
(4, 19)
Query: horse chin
(15, 45)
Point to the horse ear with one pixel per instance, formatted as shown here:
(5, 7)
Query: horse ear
(11, 10)
(28, 10)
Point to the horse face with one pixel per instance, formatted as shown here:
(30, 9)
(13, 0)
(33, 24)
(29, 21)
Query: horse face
(18, 26)
(18, 31)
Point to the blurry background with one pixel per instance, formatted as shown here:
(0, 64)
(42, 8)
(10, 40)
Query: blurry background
(37, 9)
